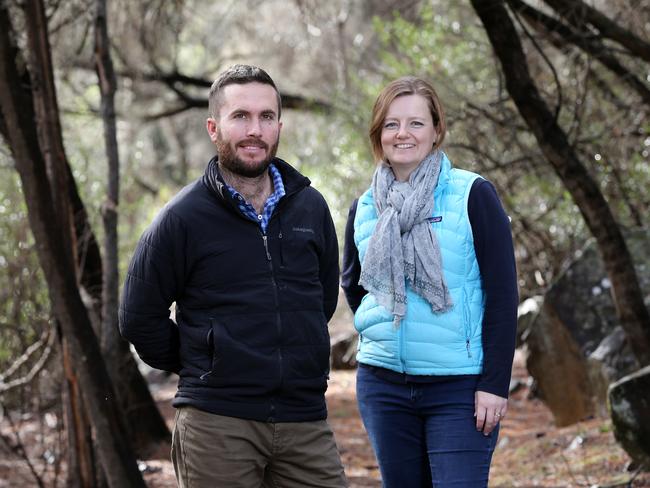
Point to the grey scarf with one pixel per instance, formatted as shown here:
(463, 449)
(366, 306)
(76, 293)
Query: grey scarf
(403, 244)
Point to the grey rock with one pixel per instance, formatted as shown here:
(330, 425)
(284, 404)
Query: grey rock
(343, 354)
(629, 400)
(575, 344)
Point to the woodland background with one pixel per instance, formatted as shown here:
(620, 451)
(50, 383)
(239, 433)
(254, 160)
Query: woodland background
(103, 104)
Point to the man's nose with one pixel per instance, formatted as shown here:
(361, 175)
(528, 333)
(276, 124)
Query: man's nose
(254, 127)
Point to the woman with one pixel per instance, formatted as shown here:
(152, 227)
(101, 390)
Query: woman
(429, 271)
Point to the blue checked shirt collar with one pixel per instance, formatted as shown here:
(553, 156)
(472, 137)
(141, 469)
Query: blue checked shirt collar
(247, 209)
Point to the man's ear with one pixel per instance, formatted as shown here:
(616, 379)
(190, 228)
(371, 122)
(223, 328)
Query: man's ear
(211, 126)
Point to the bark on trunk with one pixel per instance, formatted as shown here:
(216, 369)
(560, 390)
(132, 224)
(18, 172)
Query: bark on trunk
(584, 190)
(82, 466)
(107, 86)
(145, 425)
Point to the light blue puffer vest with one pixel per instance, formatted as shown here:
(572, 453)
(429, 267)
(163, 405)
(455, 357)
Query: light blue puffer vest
(428, 343)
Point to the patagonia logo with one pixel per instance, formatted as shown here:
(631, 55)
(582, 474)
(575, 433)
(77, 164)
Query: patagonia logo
(303, 229)
(436, 219)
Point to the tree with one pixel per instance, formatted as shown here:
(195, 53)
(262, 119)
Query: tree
(555, 145)
(146, 426)
(28, 95)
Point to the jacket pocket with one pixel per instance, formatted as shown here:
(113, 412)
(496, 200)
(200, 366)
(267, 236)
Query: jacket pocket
(299, 250)
(239, 355)
(195, 351)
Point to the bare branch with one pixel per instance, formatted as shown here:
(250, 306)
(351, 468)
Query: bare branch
(18, 447)
(584, 40)
(579, 13)
(48, 339)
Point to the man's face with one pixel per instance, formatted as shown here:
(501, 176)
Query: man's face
(246, 130)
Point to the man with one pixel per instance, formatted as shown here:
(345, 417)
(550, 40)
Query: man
(249, 254)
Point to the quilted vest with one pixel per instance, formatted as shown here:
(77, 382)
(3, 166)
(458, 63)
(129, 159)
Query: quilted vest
(427, 342)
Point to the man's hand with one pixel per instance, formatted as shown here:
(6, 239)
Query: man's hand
(489, 410)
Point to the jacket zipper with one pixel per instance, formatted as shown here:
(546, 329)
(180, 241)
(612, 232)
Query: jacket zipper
(277, 303)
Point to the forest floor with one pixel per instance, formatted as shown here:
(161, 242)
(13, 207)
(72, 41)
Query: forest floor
(531, 452)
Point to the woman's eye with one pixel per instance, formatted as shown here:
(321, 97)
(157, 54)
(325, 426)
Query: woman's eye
(416, 123)
(390, 125)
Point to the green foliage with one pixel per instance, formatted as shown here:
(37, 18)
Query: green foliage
(438, 40)
(24, 305)
(446, 44)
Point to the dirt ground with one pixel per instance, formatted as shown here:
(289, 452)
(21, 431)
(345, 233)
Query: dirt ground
(531, 452)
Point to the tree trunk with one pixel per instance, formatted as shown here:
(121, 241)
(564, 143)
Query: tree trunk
(145, 425)
(584, 190)
(107, 87)
(82, 467)
(39, 159)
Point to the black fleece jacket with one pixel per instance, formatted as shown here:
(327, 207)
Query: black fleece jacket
(250, 337)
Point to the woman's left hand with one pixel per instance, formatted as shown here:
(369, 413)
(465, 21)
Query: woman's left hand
(489, 410)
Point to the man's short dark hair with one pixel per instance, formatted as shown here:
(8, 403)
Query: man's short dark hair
(238, 74)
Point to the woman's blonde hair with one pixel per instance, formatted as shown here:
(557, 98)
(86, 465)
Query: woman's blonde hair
(407, 85)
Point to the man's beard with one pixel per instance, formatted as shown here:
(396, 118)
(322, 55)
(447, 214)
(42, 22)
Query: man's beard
(229, 160)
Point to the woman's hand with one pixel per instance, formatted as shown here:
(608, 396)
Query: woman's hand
(489, 410)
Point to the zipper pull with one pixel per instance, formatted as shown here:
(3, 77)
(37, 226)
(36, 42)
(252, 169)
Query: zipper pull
(266, 247)
(469, 352)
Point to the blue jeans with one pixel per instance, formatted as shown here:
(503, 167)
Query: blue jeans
(424, 434)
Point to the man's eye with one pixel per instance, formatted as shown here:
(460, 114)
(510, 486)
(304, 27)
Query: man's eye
(268, 117)
(240, 116)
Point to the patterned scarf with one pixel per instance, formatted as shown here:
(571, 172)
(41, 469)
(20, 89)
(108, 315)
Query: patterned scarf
(403, 246)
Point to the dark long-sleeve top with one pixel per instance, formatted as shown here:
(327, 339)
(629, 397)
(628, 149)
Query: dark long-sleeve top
(495, 256)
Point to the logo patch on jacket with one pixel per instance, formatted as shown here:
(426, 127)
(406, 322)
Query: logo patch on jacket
(436, 219)
(303, 229)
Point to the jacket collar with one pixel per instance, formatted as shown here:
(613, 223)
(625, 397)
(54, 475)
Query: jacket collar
(293, 180)
(445, 175)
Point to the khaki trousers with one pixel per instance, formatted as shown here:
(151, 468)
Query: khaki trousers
(210, 451)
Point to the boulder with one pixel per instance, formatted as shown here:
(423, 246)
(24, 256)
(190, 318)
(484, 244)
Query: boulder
(629, 400)
(527, 312)
(344, 351)
(607, 363)
(575, 346)
(557, 365)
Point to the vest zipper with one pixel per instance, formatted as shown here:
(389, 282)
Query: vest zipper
(467, 323)
(400, 338)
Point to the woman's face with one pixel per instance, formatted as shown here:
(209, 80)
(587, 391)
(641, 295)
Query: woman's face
(408, 134)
